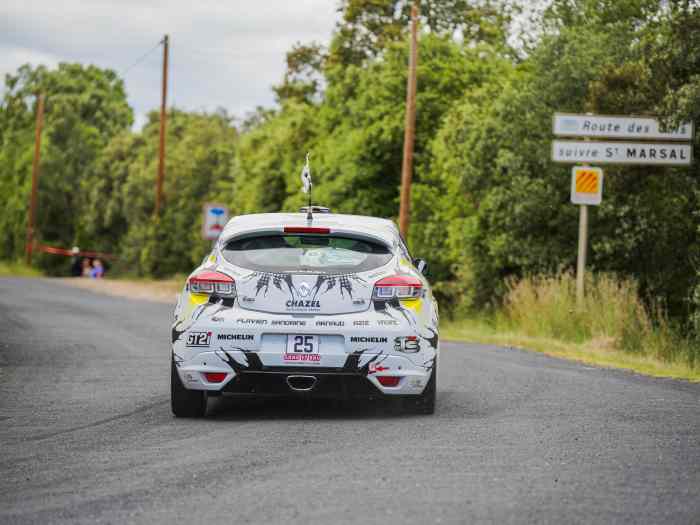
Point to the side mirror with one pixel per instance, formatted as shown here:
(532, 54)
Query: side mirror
(422, 265)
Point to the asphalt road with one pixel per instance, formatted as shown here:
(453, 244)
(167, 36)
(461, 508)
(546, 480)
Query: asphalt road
(86, 436)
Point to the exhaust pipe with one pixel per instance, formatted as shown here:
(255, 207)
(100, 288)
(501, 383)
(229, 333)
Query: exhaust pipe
(301, 383)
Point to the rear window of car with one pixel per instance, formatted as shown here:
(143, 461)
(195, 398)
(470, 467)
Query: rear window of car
(306, 253)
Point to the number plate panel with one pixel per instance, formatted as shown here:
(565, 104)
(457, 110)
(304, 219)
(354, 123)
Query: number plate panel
(302, 348)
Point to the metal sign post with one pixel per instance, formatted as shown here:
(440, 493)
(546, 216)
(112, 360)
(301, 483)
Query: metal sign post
(586, 190)
(582, 253)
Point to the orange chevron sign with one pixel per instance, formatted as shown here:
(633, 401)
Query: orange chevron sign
(586, 185)
(586, 181)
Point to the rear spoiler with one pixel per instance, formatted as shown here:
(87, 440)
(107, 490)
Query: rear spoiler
(299, 229)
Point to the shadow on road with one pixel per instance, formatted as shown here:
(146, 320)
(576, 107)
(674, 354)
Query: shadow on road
(239, 409)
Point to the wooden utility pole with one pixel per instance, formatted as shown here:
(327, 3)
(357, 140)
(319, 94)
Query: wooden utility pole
(410, 128)
(31, 219)
(163, 116)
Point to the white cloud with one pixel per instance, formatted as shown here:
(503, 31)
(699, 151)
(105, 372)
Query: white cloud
(223, 53)
(13, 56)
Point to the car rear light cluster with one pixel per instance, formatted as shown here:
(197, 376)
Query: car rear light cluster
(215, 377)
(399, 286)
(390, 381)
(307, 229)
(212, 283)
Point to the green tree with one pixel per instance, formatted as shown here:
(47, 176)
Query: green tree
(303, 76)
(358, 154)
(270, 157)
(85, 107)
(495, 151)
(368, 27)
(199, 168)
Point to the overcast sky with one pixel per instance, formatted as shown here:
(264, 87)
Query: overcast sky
(224, 53)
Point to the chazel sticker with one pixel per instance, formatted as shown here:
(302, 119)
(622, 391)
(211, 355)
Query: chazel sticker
(198, 339)
(302, 304)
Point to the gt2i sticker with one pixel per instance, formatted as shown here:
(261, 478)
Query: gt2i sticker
(199, 339)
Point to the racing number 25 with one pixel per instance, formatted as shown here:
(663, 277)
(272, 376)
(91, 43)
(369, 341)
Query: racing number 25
(303, 343)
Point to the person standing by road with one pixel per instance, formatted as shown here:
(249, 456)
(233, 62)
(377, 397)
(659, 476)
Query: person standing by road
(87, 267)
(76, 262)
(98, 270)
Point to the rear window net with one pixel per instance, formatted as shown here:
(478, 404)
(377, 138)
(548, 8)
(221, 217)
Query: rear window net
(306, 253)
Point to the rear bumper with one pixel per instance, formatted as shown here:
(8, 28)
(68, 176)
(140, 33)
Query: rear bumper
(311, 383)
(358, 378)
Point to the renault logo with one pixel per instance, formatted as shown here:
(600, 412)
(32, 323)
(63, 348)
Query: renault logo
(304, 289)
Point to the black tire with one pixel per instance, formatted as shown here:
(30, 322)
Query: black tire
(184, 402)
(424, 403)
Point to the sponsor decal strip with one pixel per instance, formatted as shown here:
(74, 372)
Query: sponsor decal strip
(198, 339)
(235, 337)
(362, 339)
(302, 357)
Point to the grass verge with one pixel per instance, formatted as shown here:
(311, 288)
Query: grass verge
(16, 269)
(594, 352)
(611, 329)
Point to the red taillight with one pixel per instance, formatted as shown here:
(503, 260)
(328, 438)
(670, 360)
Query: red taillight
(214, 377)
(208, 282)
(306, 229)
(400, 286)
(389, 380)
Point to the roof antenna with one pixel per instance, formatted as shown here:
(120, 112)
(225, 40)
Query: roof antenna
(307, 185)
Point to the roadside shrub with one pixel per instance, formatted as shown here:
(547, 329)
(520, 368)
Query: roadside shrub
(545, 306)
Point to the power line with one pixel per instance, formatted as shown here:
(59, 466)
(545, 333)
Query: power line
(140, 59)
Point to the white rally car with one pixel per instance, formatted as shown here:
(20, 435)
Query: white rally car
(286, 306)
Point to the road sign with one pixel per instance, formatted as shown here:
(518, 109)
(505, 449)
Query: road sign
(586, 185)
(613, 127)
(215, 218)
(672, 149)
(572, 151)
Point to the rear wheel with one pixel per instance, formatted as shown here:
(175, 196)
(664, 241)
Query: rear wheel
(424, 403)
(184, 402)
